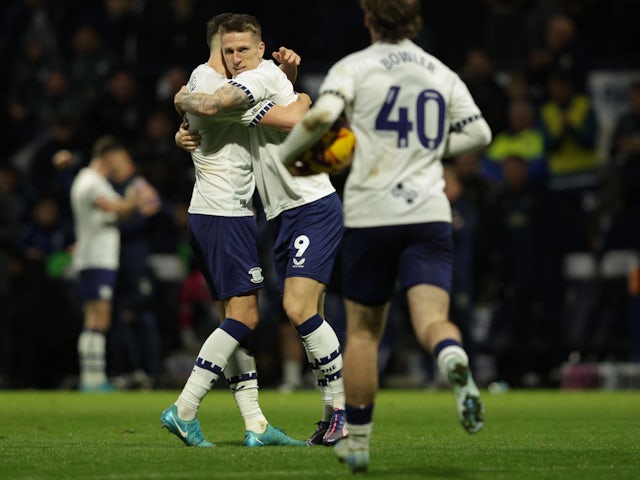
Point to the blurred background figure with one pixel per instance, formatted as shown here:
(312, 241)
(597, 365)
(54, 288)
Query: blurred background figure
(521, 138)
(135, 351)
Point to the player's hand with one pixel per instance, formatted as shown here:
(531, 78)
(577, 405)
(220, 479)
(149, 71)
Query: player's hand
(187, 139)
(289, 62)
(179, 98)
(287, 56)
(62, 159)
(147, 197)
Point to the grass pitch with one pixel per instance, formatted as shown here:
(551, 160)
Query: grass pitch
(527, 435)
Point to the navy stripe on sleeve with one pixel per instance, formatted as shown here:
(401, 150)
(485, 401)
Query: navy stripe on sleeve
(459, 125)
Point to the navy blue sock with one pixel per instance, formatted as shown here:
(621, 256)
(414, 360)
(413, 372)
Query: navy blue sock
(359, 415)
(236, 329)
(309, 325)
(447, 342)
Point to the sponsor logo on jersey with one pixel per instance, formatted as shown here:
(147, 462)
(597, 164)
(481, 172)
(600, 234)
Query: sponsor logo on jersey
(298, 262)
(401, 191)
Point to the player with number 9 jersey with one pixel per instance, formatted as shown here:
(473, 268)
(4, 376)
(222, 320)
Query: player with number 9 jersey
(396, 174)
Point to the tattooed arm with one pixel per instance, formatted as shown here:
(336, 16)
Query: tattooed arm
(209, 104)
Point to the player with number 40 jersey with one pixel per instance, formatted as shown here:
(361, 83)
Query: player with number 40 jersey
(402, 131)
(408, 110)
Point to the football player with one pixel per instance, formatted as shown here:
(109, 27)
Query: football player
(306, 212)
(408, 110)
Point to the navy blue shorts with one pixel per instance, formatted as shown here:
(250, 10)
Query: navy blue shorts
(226, 250)
(97, 284)
(374, 258)
(307, 240)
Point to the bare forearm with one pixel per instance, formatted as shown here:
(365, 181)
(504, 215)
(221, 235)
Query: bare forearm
(224, 97)
(312, 126)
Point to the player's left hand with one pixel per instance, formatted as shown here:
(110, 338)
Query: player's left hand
(287, 56)
(289, 62)
(62, 159)
(187, 139)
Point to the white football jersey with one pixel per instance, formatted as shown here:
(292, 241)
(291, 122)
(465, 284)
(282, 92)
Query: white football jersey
(224, 182)
(401, 103)
(97, 233)
(278, 189)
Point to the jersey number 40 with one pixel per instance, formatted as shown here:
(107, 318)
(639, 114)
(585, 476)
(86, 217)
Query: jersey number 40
(427, 118)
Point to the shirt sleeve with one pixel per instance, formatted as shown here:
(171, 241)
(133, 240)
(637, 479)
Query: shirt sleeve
(462, 109)
(253, 115)
(339, 82)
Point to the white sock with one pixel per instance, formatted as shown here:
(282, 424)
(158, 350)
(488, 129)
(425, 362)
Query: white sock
(92, 356)
(359, 435)
(242, 378)
(325, 391)
(211, 361)
(324, 350)
(448, 353)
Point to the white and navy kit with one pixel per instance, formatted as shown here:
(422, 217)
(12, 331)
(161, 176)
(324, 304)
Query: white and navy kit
(401, 103)
(222, 228)
(306, 210)
(97, 250)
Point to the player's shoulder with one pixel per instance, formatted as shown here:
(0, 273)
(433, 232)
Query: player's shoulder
(204, 78)
(267, 69)
(88, 180)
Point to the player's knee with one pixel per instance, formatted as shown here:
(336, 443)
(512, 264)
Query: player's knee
(297, 309)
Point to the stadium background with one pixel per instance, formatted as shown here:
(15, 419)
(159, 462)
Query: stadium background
(73, 70)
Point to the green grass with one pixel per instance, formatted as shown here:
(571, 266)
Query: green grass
(527, 435)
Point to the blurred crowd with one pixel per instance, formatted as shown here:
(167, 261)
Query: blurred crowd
(546, 219)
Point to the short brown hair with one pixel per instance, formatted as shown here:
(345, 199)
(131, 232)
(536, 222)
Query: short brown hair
(241, 22)
(213, 26)
(394, 20)
(104, 145)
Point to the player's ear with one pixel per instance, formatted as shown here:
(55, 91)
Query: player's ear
(261, 49)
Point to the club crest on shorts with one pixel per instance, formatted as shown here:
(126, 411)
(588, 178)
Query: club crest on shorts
(256, 275)
(105, 292)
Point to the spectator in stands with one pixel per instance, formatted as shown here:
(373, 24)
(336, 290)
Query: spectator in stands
(118, 22)
(60, 148)
(10, 206)
(47, 235)
(90, 63)
(523, 139)
(621, 192)
(168, 168)
(58, 99)
(176, 44)
(464, 225)
(478, 74)
(569, 126)
(625, 154)
(26, 90)
(119, 111)
(480, 193)
(520, 245)
(563, 49)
